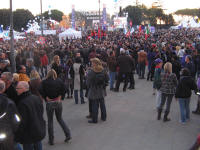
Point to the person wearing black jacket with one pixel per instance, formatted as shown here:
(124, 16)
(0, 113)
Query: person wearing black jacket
(96, 81)
(131, 75)
(57, 66)
(183, 93)
(125, 64)
(10, 91)
(190, 65)
(3, 66)
(69, 77)
(53, 91)
(32, 129)
(176, 66)
(9, 120)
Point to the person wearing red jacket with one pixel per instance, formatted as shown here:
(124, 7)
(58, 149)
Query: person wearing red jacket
(44, 63)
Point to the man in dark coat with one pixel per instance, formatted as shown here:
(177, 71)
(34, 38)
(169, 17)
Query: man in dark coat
(125, 64)
(3, 66)
(9, 120)
(32, 128)
(10, 91)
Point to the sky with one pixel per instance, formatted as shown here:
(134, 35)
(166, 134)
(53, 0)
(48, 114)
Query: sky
(92, 5)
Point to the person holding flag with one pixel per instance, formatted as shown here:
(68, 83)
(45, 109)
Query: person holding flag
(147, 32)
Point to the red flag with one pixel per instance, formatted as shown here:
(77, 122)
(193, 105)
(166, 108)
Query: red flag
(99, 33)
(146, 36)
(128, 34)
(140, 28)
(131, 23)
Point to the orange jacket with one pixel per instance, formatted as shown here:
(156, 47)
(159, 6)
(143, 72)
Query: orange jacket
(142, 57)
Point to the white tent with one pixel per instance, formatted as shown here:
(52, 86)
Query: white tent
(70, 34)
(33, 27)
(194, 24)
(188, 23)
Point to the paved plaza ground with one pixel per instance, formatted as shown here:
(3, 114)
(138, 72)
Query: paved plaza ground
(131, 124)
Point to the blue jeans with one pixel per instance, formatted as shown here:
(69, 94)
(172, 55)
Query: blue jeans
(166, 98)
(149, 65)
(57, 108)
(17, 146)
(76, 96)
(112, 79)
(141, 69)
(34, 146)
(184, 104)
(95, 109)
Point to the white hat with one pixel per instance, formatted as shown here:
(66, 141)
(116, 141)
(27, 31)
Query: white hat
(122, 51)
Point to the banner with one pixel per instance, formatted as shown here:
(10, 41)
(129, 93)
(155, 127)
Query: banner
(120, 22)
(73, 18)
(104, 17)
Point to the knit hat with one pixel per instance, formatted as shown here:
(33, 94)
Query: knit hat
(158, 60)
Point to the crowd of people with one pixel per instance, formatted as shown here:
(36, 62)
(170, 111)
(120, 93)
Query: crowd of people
(83, 68)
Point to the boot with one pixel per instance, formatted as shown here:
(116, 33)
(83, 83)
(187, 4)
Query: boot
(197, 111)
(51, 140)
(159, 114)
(165, 119)
(124, 89)
(148, 76)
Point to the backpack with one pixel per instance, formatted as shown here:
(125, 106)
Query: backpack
(100, 80)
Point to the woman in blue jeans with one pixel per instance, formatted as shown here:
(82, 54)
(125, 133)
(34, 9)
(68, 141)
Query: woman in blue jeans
(53, 91)
(184, 92)
(168, 87)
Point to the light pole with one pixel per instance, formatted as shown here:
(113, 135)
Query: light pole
(41, 17)
(12, 53)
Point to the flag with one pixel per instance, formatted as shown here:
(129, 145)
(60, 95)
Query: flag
(132, 30)
(140, 28)
(1, 29)
(147, 32)
(99, 32)
(130, 23)
(128, 34)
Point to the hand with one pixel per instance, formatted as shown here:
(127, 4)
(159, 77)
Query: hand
(48, 99)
